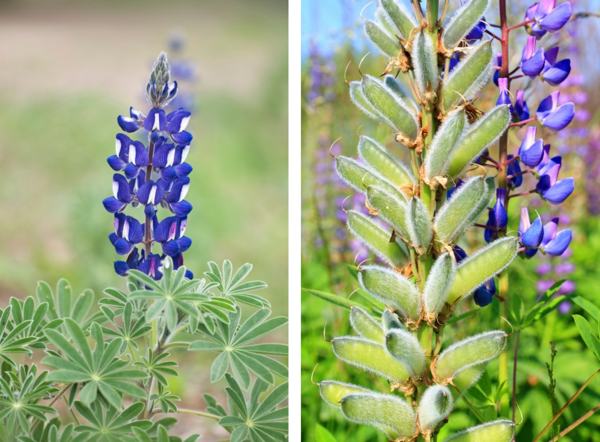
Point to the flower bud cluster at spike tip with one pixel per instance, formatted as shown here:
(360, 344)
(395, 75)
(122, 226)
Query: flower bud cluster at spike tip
(152, 174)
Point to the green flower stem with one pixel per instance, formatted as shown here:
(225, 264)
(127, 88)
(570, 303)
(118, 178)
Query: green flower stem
(198, 413)
(575, 424)
(432, 14)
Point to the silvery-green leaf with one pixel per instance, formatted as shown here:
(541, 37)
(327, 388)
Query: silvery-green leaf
(391, 288)
(359, 177)
(478, 268)
(398, 14)
(438, 284)
(463, 208)
(468, 377)
(419, 225)
(369, 356)
(468, 77)
(405, 347)
(390, 107)
(464, 19)
(435, 406)
(358, 98)
(467, 353)
(378, 157)
(376, 238)
(390, 321)
(365, 325)
(384, 41)
(479, 137)
(436, 157)
(424, 61)
(390, 208)
(388, 413)
(496, 431)
(333, 392)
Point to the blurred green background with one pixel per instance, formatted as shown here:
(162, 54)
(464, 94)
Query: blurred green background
(70, 67)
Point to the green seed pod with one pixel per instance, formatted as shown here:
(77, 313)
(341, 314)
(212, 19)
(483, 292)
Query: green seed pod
(464, 19)
(405, 347)
(378, 157)
(419, 225)
(333, 392)
(471, 74)
(376, 238)
(481, 266)
(359, 177)
(446, 137)
(391, 288)
(438, 285)
(384, 41)
(364, 324)
(467, 353)
(399, 88)
(468, 377)
(496, 431)
(360, 101)
(390, 321)
(479, 137)
(390, 208)
(435, 406)
(390, 107)
(369, 356)
(424, 61)
(403, 19)
(382, 19)
(463, 208)
(388, 413)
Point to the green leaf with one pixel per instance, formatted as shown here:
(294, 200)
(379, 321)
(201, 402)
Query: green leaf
(468, 77)
(334, 299)
(323, 435)
(388, 167)
(589, 336)
(405, 347)
(333, 392)
(444, 140)
(403, 19)
(388, 413)
(391, 288)
(390, 107)
(437, 285)
(478, 137)
(419, 225)
(464, 19)
(382, 39)
(390, 208)
(365, 325)
(376, 238)
(467, 353)
(497, 431)
(483, 265)
(435, 405)
(592, 309)
(369, 356)
(425, 63)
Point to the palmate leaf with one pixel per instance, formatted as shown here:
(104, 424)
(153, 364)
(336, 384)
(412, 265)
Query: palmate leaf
(256, 415)
(63, 303)
(98, 371)
(232, 283)
(50, 431)
(109, 424)
(14, 337)
(131, 328)
(239, 354)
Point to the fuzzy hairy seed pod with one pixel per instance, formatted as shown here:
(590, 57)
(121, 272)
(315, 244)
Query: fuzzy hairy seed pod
(369, 356)
(468, 377)
(365, 325)
(360, 101)
(419, 225)
(463, 208)
(389, 413)
(435, 405)
(444, 140)
(359, 177)
(471, 74)
(390, 107)
(437, 285)
(464, 19)
(391, 288)
(424, 61)
(468, 353)
(501, 430)
(483, 265)
(481, 135)
(333, 392)
(378, 157)
(390, 321)
(403, 19)
(376, 238)
(382, 39)
(390, 208)
(405, 347)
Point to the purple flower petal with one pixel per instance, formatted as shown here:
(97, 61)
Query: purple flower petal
(559, 244)
(559, 191)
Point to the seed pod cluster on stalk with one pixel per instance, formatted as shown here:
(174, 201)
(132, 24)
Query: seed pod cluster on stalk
(438, 61)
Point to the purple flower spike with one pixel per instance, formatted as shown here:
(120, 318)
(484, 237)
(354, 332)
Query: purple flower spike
(559, 243)
(553, 115)
(531, 150)
(532, 61)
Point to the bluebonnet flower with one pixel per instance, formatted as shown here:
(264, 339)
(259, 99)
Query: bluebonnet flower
(546, 237)
(484, 294)
(532, 61)
(151, 174)
(531, 150)
(545, 16)
(549, 187)
(555, 71)
(554, 115)
(520, 109)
